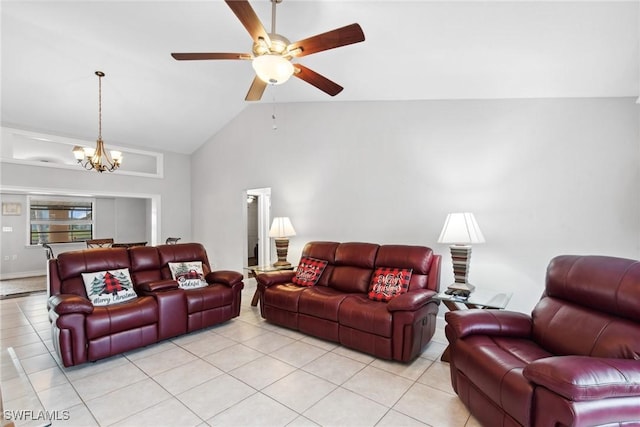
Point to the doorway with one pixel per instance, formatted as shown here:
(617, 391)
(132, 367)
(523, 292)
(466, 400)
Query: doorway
(258, 209)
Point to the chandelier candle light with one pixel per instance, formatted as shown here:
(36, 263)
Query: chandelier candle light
(98, 158)
(461, 230)
(281, 230)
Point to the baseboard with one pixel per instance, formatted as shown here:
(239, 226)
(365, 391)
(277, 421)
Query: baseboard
(22, 274)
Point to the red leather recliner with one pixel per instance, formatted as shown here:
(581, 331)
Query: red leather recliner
(575, 361)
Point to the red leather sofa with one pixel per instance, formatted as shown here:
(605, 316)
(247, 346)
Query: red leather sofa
(337, 307)
(83, 332)
(575, 361)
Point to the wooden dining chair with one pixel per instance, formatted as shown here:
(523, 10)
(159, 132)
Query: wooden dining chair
(99, 243)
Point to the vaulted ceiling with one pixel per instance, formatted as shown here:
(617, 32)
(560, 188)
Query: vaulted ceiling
(414, 50)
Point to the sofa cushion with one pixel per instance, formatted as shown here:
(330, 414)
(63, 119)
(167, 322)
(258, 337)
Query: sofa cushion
(109, 287)
(417, 258)
(189, 275)
(283, 296)
(387, 283)
(115, 318)
(208, 297)
(359, 312)
(321, 301)
(309, 271)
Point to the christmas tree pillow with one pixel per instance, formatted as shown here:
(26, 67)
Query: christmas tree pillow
(189, 275)
(109, 287)
(388, 283)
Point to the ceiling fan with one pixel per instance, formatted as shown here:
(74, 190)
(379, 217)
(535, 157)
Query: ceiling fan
(272, 53)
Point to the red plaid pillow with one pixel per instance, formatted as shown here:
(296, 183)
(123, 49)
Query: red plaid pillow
(387, 283)
(309, 271)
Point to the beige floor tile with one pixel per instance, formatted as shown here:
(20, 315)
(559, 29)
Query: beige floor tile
(30, 350)
(261, 372)
(59, 397)
(299, 390)
(378, 385)
(87, 369)
(334, 368)
(126, 402)
(396, 419)
(411, 370)
(216, 395)
(47, 378)
(233, 357)
(38, 363)
(239, 331)
(298, 353)
(170, 412)
(439, 409)
(345, 408)
(107, 381)
(189, 375)
(160, 362)
(268, 342)
(256, 410)
(207, 344)
(434, 350)
(438, 376)
(301, 421)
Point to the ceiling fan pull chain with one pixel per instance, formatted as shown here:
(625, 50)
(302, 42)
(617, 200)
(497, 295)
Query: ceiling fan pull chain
(273, 114)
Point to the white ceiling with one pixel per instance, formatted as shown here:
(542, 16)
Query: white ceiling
(414, 50)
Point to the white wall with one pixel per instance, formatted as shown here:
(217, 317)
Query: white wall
(543, 177)
(172, 193)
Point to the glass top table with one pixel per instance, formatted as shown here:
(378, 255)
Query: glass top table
(257, 269)
(480, 298)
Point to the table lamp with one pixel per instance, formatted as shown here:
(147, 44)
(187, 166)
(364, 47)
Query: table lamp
(280, 230)
(460, 231)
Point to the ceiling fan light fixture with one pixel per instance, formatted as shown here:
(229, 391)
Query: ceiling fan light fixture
(273, 69)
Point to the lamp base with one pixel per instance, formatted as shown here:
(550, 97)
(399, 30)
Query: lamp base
(460, 289)
(282, 247)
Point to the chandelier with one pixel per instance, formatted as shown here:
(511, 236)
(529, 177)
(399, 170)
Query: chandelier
(98, 158)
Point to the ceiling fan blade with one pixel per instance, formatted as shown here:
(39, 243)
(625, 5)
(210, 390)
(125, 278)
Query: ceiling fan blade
(331, 39)
(256, 90)
(317, 80)
(247, 16)
(205, 55)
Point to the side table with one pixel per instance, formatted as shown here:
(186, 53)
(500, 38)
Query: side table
(257, 269)
(480, 298)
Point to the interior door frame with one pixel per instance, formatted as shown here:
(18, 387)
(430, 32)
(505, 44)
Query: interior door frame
(263, 200)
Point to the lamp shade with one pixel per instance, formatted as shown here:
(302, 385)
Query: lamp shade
(281, 227)
(272, 69)
(462, 229)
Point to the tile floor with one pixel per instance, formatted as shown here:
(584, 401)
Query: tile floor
(245, 372)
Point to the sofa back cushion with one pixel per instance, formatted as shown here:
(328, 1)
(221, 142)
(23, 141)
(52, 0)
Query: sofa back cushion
(354, 264)
(182, 252)
(145, 264)
(416, 258)
(590, 307)
(72, 264)
(325, 251)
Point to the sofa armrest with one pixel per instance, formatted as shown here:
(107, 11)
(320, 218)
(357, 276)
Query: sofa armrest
(275, 277)
(580, 378)
(487, 322)
(410, 301)
(159, 285)
(69, 303)
(226, 277)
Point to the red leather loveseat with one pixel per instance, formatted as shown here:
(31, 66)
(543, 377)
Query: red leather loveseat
(158, 308)
(574, 362)
(338, 307)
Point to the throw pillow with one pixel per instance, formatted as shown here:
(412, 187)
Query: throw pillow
(387, 283)
(189, 275)
(109, 287)
(309, 271)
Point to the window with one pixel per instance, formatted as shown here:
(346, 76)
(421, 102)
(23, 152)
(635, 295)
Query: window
(60, 220)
